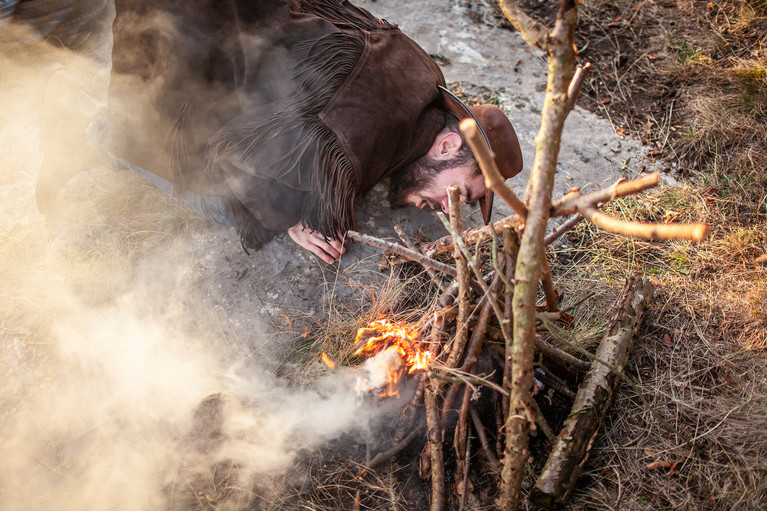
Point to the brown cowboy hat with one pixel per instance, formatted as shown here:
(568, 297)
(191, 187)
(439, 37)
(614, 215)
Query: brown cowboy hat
(499, 135)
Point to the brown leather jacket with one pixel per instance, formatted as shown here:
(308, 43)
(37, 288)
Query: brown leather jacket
(292, 108)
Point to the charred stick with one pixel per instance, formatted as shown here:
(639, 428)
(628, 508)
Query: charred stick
(447, 404)
(553, 381)
(434, 437)
(394, 450)
(403, 251)
(409, 242)
(479, 427)
(407, 415)
(541, 422)
(467, 457)
(564, 357)
(549, 291)
(559, 231)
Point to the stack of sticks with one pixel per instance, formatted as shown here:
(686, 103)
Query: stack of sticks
(472, 315)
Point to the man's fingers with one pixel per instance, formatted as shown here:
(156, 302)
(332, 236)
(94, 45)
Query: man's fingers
(329, 251)
(314, 249)
(332, 249)
(338, 246)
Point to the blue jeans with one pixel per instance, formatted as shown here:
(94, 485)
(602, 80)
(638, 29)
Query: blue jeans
(99, 135)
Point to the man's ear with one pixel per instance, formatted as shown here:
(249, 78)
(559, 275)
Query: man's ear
(446, 145)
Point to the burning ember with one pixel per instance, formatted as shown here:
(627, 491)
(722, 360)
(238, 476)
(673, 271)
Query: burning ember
(391, 350)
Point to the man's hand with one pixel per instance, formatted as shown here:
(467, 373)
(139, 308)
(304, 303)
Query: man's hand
(329, 251)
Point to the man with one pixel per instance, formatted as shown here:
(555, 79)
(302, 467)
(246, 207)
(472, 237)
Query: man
(288, 110)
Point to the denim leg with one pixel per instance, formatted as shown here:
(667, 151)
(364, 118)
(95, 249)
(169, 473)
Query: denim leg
(211, 207)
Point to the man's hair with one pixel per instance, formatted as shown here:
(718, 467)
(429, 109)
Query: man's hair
(417, 175)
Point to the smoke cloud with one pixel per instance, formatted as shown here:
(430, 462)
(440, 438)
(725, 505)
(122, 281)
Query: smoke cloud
(111, 397)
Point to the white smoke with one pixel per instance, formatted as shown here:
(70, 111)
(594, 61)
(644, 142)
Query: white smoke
(109, 399)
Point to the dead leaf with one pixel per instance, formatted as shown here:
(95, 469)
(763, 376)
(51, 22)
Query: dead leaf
(762, 259)
(241, 274)
(672, 471)
(620, 132)
(657, 464)
(650, 453)
(667, 340)
(729, 379)
(567, 319)
(605, 101)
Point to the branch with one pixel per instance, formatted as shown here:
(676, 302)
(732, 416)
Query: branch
(577, 82)
(434, 437)
(587, 206)
(694, 232)
(532, 31)
(559, 231)
(486, 160)
(463, 277)
(402, 251)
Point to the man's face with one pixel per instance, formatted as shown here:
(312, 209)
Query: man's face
(433, 194)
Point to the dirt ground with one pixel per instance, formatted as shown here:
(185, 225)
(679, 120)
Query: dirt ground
(150, 364)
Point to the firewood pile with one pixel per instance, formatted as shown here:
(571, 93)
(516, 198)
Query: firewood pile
(468, 398)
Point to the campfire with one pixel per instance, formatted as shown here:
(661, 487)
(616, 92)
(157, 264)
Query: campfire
(392, 350)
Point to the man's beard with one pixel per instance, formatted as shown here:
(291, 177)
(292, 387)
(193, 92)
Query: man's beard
(421, 173)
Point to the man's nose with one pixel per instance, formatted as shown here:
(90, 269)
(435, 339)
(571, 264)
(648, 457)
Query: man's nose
(445, 205)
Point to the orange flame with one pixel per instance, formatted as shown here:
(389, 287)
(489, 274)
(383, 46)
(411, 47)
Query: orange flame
(400, 342)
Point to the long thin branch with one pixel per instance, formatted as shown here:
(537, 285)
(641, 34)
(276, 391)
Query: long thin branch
(561, 63)
(587, 206)
(403, 251)
(492, 460)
